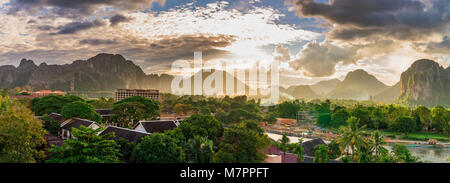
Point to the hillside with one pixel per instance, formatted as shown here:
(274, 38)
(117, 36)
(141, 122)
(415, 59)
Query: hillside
(357, 85)
(388, 94)
(301, 91)
(325, 87)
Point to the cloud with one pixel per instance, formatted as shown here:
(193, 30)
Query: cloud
(96, 42)
(74, 27)
(80, 6)
(320, 59)
(116, 19)
(363, 30)
(400, 19)
(171, 48)
(282, 54)
(435, 47)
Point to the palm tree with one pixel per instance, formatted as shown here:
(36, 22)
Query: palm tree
(375, 142)
(298, 150)
(351, 137)
(283, 144)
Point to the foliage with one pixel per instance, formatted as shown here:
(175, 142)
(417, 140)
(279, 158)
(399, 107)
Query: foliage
(324, 119)
(376, 142)
(51, 125)
(404, 124)
(422, 116)
(334, 150)
(86, 147)
(52, 103)
(240, 144)
(202, 125)
(440, 118)
(402, 154)
(199, 150)
(128, 114)
(80, 109)
(339, 118)
(283, 144)
(351, 137)
(151, 107)
(102, 103)
(126, 149)
(157, 148)
(297, 149)
(20, 135)
(288, 109)
(321, 154)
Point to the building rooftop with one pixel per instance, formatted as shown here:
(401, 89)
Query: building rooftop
(157, 126)
(308, 146)
(57, 117)
(76, 123)
(103, 111)
(130, 135)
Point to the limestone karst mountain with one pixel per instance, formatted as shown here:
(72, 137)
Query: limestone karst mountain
(425, 83)
(104, 72)
(357, 85)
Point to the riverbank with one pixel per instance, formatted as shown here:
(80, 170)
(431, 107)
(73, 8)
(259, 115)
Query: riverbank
(417, 137)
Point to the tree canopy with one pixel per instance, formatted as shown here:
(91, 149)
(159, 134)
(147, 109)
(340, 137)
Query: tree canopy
(202, 125)
(80, 109)
(151, 107)
(86, 147)
(157, 148)
(20, 135)
(52, 103)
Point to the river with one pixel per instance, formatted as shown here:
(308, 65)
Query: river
(426, 154)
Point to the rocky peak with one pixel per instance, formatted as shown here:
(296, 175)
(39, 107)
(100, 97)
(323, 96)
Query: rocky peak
(24, 64)
(102, 57)
(425, 82)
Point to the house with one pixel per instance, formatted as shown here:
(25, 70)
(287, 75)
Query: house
(286, 121)
(66, 127)
(308, 146)
(128, 134)
(57, 117)
(105, 113)
(158, 126)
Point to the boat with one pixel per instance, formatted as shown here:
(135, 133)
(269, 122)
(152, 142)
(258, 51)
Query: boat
(429, 146)
(413, 145)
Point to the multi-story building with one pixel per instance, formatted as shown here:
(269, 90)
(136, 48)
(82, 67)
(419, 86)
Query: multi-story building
(125, 93)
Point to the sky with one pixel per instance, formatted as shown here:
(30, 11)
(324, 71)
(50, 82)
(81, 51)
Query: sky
(313, 40)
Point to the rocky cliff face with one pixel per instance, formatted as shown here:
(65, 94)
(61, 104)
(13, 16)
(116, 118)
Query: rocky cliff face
(104, 72)
(425, 83)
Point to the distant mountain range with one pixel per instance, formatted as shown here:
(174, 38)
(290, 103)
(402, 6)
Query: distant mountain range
(425, 82)
(104, 72)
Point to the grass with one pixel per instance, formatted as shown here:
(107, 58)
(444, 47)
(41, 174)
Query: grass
(420, 136)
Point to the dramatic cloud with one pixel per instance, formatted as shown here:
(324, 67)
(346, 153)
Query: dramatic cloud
(362, 31)
(116, 19)
(435, 47)
(400, 19)
(74, 27)
(81, 6)
(320, 59)
(95, 42)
